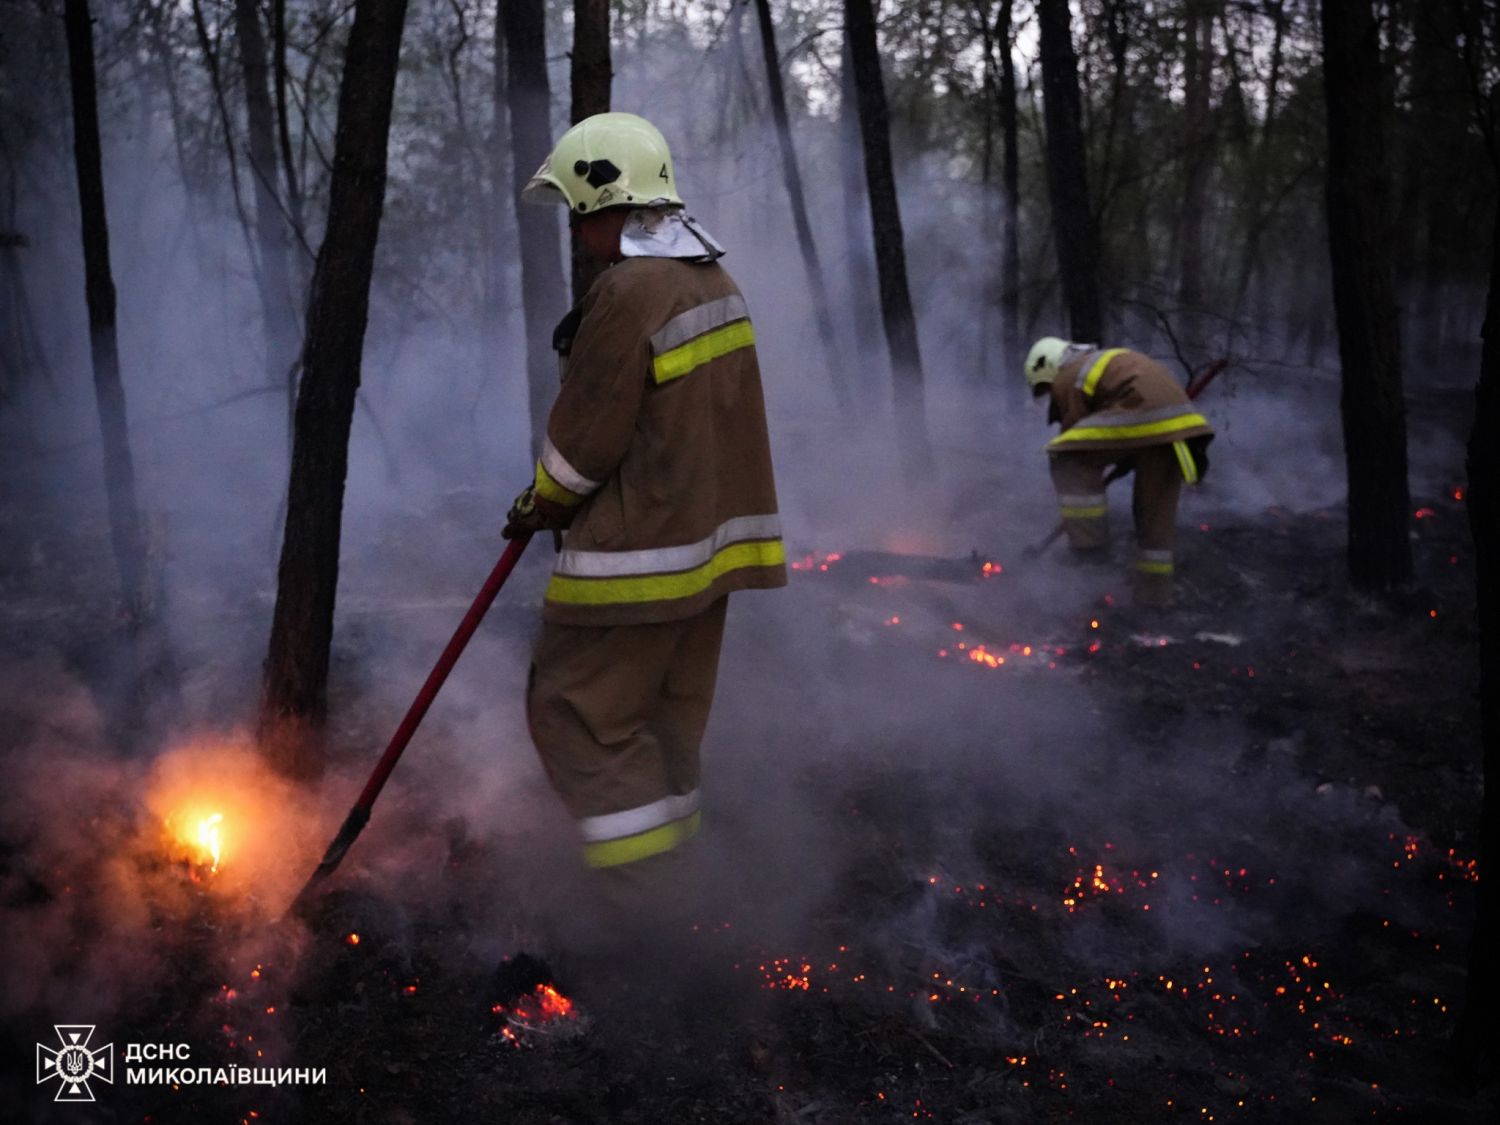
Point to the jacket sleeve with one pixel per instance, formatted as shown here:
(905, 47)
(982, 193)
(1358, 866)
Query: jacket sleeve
(593, 420)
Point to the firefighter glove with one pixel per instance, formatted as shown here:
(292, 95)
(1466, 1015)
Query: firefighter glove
(523, 518)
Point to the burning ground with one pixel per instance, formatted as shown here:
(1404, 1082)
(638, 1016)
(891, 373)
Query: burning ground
(985, 845)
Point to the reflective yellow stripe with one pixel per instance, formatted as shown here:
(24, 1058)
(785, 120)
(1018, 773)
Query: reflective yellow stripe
(549, 489)
(1084, 513)
(1096, 371)
(567, 590)
(1124, 433)
(629, 849)
(1185, 461)
(1147, 566)
(695, 353)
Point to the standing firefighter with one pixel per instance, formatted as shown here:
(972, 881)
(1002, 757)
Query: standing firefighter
(657, 462)
(1119, 407)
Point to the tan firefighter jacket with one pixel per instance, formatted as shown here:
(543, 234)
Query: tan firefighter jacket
(658, 440)
(1120, 399)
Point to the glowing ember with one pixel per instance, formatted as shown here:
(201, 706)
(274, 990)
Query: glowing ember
(542, 1011)
(816, 562)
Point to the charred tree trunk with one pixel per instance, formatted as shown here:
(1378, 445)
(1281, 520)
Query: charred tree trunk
(294, 693)
(890, 245)
(126, 532)
(274, 277)
(1067, 176)
(1371, 401)
(1475, 1038)
(591, 77)
(822, 309)
(543, 291)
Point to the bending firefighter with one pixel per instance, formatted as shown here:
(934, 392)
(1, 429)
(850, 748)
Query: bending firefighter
(657, 462)
(1119, 407)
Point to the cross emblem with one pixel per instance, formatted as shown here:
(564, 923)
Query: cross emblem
(73, 1064)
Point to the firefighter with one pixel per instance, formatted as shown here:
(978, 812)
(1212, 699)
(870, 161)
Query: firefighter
(1119, 407)
(658, 465)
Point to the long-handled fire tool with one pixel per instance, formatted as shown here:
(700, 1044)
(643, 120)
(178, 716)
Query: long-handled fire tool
(1196, 386)
(359, 815)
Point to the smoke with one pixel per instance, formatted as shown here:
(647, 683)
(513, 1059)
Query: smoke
(853, 742)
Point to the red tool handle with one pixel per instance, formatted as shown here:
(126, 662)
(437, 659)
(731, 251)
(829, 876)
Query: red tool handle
(1199, 383)
(359, 814)
(440, 670)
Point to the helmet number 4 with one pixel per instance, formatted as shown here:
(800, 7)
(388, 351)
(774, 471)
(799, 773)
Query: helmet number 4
(662, 175)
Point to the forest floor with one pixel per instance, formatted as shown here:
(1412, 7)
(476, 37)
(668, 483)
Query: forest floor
(1248, 900)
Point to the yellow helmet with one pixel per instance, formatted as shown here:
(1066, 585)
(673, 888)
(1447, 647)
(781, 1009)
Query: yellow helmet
(607, 160)
(1045, 357)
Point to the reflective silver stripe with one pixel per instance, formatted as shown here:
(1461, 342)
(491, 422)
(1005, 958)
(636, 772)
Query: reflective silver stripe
(1080, 501)
(1107, 418)
(563, 473)
(666, 560)
(1073, 351)
(696, 321)
(1149, 555)
(615, 826)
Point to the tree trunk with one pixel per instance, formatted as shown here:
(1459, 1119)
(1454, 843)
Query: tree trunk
(1067, 176)
(591, 77)
(858, 265)
(284, 123)
(890, 246)
(495, 154)
(992, 213)
(1198, 76)
(126, 532)
(1260, 167)
(822, 310)
(23, 360)
(1475, 1038)
(543, 291)
(1010, 192)
(1373, 409)
(274, 278)
(294, 694)
(1440, 117)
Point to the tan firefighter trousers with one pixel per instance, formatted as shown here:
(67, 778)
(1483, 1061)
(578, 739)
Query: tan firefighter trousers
(617, 714)
(1078, 477)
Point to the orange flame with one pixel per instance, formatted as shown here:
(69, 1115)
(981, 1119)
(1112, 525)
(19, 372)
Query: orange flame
(198, 836)
(554, 1004)
(209, 838)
